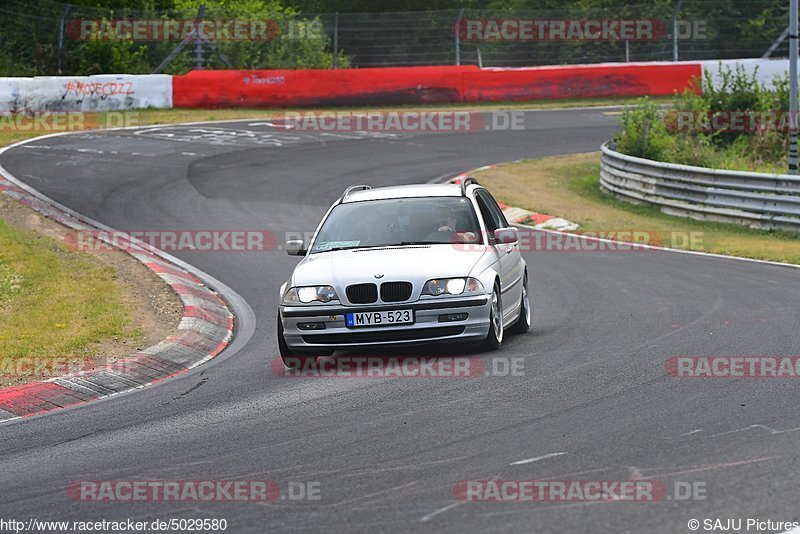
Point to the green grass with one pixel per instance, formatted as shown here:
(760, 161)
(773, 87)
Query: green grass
(55, 303)
(568, 186)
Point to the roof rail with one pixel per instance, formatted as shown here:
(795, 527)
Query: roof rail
(352, 189)
(466, 182)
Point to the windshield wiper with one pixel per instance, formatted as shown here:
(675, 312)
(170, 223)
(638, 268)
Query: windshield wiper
(334, 249)
(401, 244)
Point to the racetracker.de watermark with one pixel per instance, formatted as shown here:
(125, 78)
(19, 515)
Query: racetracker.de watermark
(192, 491)
(401, 121)
(742, 121)
(390, 367)
(172, 240)
(66, 121)
(172, 30)
(567, 491)
(532, 240)
(587, 29)
(733, 366)
(41, 367)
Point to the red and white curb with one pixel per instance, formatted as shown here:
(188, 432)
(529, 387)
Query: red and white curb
(205, 330)
(539, 221)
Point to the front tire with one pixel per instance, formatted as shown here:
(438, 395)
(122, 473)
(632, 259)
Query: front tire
(523, 323)
(290, 359)
(495, 336)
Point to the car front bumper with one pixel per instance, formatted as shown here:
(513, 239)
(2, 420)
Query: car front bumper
(427, 328)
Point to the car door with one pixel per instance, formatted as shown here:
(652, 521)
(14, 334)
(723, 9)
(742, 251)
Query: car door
(508, 255)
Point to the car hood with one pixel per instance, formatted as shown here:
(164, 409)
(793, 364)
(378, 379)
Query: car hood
(415, 264)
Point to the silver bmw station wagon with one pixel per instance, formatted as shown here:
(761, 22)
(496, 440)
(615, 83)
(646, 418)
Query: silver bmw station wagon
(405, 265)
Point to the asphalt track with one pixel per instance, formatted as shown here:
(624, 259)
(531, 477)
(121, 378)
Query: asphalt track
(387, 453)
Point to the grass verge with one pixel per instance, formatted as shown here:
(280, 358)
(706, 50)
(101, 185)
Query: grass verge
(55, 303)
(64, 310)
(569, 187)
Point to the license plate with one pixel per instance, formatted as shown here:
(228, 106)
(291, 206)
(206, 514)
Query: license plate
(379, 318)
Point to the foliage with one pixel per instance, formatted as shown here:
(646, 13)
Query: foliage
(101, 57)
(644, 132)
(697, 128)
(29, 45)
(415, 32)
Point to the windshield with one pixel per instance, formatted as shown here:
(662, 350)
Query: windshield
(398, 221)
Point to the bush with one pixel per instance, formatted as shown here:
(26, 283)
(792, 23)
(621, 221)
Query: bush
(301, 44)
(664, 133)
(102, 57)
(644, 132)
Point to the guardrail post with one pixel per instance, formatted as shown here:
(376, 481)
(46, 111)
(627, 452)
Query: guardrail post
(336, 40)
(458, 36)
(198, 39)
(61, 36)
(793, 86)
(675, 30)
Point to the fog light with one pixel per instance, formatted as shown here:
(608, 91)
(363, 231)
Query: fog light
(450, 317)
(311, 326)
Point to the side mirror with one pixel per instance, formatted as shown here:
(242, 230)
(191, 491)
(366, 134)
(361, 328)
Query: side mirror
(294, 247)
(506, 236)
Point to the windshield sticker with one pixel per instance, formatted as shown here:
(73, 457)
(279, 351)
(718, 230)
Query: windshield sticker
(322, 247)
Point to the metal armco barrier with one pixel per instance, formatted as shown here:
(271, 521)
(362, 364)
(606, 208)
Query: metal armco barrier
(758, 200)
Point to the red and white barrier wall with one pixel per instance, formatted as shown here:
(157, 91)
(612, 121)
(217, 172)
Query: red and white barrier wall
(405, 85)
(280, 88)
(578, 81)
(376, 86)
(419, 85)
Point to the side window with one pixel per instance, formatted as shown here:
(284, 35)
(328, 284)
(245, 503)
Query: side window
(495, 208)
(491, 222)
(492, 215)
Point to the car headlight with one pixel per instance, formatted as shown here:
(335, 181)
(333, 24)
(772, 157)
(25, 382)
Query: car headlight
(309, 294)
(452, 286)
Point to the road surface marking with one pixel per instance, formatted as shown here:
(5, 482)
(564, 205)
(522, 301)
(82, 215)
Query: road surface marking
(531, 460)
